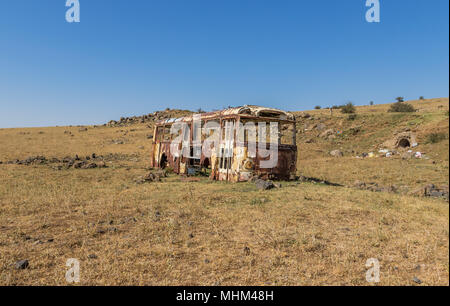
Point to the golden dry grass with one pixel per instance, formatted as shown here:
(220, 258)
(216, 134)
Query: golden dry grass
(180, 232)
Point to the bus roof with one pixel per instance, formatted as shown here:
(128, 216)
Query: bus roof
(246, 110)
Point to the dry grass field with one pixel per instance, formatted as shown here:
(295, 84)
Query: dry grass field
(193, 231)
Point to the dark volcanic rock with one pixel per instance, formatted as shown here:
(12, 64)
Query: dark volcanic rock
(79, 164)
(22, 264)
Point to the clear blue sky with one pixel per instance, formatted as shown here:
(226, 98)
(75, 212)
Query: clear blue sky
(134, 57)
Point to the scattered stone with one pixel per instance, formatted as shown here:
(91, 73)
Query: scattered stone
(128, 219)
(22, 264)
(246, 251)
(29, 161)
(336, 153)
(314, 180)
(419, 267)
(321, 127)
(264, 185)
(359, 184)
(374, 187)
(417, 280)
(92, 256)
(79, 164)
(67, 159)
(327, 133)
(155, 176)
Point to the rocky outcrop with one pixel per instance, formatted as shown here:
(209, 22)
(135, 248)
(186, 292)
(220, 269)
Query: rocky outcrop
(76, 162)
(431, 190)
(149, 118)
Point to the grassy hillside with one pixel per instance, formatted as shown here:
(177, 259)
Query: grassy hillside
(198, 232)
(372, 126)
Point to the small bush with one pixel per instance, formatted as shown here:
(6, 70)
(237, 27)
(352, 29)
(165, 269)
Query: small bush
(421, 98)
(435, 137)
(352, 117)
(400, 99)
(318, 107)
(401, 108)
(348, 108)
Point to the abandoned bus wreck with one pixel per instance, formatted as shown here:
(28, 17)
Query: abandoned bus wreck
(238, 153)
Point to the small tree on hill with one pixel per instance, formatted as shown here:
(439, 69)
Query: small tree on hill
(318, 107)
(348, 108)
(400, 99)
(371, 103)
(401, 108)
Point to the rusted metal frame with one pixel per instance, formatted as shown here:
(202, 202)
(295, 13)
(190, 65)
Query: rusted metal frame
(237, 117)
